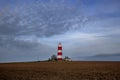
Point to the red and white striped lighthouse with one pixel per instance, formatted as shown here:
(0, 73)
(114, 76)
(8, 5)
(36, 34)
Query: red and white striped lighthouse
(59, 55)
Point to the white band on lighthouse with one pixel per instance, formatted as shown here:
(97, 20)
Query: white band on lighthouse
(59, 50)
(59, 56)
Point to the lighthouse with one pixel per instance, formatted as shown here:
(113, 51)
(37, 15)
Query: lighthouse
(59, 54)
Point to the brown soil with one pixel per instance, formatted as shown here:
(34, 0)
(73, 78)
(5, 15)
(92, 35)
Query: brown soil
(81, 70)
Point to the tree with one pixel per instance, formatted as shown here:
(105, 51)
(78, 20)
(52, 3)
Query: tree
(49, 59)
(53, 58)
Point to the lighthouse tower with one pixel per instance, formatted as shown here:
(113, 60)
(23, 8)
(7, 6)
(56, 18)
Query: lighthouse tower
(59, 55)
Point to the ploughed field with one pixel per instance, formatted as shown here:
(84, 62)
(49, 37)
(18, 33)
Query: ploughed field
(79, 70)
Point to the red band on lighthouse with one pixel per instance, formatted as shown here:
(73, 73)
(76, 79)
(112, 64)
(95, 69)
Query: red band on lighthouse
(59, 55)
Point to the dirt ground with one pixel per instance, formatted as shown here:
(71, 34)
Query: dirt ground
(74, 70)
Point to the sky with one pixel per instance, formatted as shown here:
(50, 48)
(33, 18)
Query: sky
(30, 30)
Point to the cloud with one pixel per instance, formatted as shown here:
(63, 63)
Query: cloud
(40, 19)
(107, 55)
(100, 8)
(19, 50)
(104, 57)
(24, 30)
(33, 30)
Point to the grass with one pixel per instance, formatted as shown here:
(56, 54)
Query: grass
(81, 70)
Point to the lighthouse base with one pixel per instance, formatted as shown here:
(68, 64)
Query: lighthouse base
(59, 58)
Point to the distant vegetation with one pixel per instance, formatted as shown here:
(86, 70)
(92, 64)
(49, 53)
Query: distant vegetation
(54, 58)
